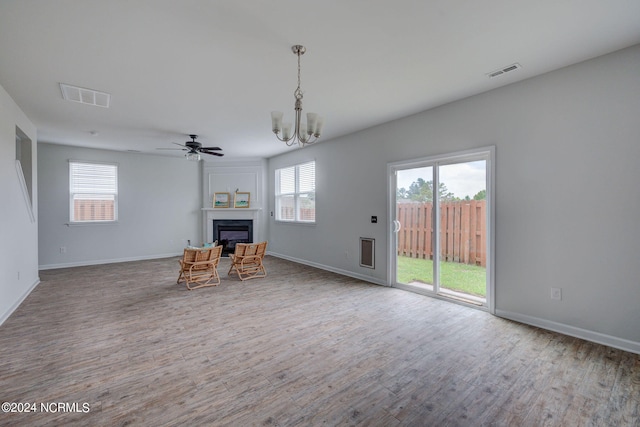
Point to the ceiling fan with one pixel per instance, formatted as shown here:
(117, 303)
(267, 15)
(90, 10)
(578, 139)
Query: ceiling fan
(194, 148)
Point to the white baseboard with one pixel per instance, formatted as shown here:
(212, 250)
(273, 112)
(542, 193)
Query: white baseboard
(19, 301)
(331, 269)
(106, 261)
(596, 337)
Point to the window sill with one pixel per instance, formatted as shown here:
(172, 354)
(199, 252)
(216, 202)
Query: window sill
(84, 224)
(308, 224)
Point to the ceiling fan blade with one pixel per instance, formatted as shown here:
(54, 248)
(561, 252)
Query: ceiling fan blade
(211, 148)
(181, 145)
(172, 149)
(213, 153)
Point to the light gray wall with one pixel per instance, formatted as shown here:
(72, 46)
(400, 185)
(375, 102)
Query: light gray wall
(567, 203)
(18, 229)
(159, 208)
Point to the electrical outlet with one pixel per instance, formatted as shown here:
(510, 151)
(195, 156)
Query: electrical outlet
(556, 293)
(63, 249)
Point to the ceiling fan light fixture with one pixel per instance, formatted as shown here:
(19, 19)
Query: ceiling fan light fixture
(193, 156)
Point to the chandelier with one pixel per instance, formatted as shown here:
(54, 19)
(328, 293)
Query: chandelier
(302, 134)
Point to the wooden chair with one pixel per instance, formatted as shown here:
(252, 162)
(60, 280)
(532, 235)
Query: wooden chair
(246, 261)
(200, 266)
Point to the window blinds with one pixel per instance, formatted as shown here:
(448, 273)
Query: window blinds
(93, 192)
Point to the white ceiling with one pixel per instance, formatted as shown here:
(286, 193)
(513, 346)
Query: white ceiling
(217, 68)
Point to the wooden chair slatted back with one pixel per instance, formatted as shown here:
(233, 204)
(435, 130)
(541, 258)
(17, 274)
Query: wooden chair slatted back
(192, 255)
(250, 249)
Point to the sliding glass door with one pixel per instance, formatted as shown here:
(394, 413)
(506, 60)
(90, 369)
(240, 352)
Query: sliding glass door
(441, 229)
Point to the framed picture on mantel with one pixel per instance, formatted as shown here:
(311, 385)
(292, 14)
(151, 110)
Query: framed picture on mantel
(221, 200)
(241, 200)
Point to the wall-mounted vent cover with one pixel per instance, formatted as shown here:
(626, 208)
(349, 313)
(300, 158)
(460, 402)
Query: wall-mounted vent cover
(504, 70)
(85, 96)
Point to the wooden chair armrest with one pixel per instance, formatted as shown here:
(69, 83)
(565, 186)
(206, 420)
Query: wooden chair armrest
(196, 263)
(251, 258)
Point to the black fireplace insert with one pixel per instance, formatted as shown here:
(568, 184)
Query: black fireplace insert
(228, 232)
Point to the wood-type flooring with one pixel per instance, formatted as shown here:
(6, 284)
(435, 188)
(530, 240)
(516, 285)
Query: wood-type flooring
(122, 344)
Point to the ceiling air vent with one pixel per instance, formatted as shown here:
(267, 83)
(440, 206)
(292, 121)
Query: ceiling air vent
(85, 96)
(504, 70)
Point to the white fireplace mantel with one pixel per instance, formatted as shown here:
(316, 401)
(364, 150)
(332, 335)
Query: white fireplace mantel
(209, 214)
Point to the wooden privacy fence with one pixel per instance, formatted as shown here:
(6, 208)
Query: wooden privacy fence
(306, 214)
(463, 231)
(93, 210)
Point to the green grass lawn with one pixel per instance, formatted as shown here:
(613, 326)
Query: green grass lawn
(469, 279)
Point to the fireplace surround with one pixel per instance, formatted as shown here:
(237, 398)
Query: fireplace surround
(211, 214)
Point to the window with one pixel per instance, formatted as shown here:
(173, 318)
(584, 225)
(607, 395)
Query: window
(296, 193)
(93, 189)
